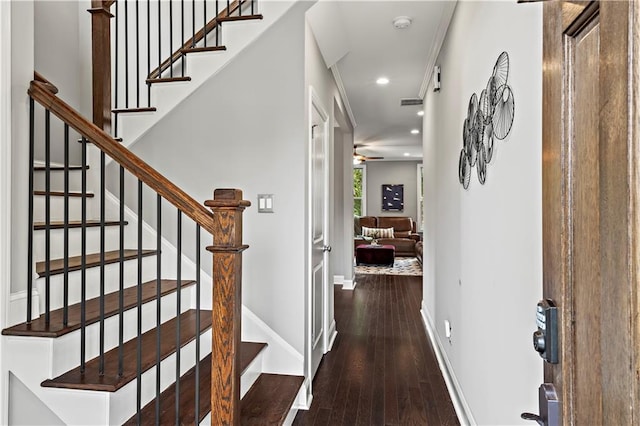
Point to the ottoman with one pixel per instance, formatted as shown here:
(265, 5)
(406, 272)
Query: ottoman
(367, 254)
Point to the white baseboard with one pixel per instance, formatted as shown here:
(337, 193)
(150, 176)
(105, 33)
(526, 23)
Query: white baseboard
(349, 285)
(333, 333)
(304, 398)
(338, 279)
(463, 411)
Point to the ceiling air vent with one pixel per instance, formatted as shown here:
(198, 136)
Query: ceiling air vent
(410, 101)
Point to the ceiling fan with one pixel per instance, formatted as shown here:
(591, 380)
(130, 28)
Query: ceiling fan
(359, 158)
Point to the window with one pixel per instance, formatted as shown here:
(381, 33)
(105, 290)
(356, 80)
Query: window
(359, 191)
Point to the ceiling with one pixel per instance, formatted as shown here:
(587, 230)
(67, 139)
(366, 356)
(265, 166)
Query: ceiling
(363, 45)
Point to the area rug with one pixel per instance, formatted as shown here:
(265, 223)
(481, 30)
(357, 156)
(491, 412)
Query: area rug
(401, 266)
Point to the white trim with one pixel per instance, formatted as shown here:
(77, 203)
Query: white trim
(338, 279)
(343, 94)
(445, 19)
(463, 411)
(349, 285)
(419, 175)
(333, 333)
(5, 194)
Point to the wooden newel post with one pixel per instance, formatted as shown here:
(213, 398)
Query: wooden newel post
(101, 57)
(227, 206)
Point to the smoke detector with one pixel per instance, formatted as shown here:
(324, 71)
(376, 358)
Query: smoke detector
(402, 22)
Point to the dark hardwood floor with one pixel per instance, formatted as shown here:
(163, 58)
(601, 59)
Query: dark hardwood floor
(382, 369)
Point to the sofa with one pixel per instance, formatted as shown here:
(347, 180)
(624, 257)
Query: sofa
(404, 232)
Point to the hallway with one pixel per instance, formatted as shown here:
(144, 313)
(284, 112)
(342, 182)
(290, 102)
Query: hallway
(381, 370)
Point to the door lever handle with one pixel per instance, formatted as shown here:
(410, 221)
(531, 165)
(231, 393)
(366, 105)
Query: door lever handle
(326, 248)
(534, 417)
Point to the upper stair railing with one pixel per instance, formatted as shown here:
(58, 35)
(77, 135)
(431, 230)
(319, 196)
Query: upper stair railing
(110, 370)
(148, 44)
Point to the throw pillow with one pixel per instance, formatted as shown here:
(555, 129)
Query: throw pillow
(377, 232)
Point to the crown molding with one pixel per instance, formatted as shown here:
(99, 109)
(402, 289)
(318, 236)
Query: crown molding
(445, 20)
(343, 94)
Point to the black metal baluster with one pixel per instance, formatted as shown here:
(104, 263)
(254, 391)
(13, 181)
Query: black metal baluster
(204, 20)
(65, 312)
(102, 258)
(159, 38)
(32, 132)
(193, 24)
(158, 304)
(148, 51)
(126, 53)
(47, 214)
(83, 261)
(182, 39)
(115, 78)
(197, 391)
(139, 306)
(171, 38)
(138, 76)
(121, 283)
(217, 23)
(178, 310)
(253, 7)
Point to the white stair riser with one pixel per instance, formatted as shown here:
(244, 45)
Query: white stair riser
(57, 208)
(112, 281)
(66, 349)
(56, 181)
(56, 245)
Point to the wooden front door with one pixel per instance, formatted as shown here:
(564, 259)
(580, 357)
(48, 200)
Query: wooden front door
(590, 206)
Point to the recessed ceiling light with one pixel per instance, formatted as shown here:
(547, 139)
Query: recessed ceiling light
(415, 131)
(382, 81)
(406, 154)
(420, 113)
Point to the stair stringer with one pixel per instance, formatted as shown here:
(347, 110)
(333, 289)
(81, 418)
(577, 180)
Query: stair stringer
(200, 67)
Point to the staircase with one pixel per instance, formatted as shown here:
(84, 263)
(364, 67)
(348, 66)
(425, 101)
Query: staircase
(127, 326)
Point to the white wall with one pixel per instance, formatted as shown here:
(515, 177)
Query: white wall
(391, 172)
(5, 190)
(244, 129)
(59, 58)
(484, 245)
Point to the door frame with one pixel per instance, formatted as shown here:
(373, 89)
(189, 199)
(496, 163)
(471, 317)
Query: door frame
(316, 102)
(5, 193)
(619, 227)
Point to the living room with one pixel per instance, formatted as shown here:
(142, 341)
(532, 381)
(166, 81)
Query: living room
(388, 194)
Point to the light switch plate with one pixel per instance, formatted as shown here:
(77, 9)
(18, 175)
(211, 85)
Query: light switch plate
(265, 203)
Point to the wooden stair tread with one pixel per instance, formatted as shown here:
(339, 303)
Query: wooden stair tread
(56, 266)
(204, 49)
(110, 381)
(55, 328)
(127, 110)
(269, 400)
(239, 18)
(58, 168)
(38, 226)
(248, 351)
(167, 80)
(62, 194)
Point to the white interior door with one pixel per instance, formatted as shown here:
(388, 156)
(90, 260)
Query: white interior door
(319, 226)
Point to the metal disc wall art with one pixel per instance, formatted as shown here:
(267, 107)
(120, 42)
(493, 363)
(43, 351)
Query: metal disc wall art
(489, 116)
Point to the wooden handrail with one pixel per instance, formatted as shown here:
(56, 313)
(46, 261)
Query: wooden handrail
(42, 93)
(49, 85)
(196, 38)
